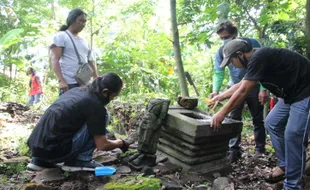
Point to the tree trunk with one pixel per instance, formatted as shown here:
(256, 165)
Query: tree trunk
(15, 72)
(53, 14)
(177, 49)
(11, 71)
(308, 28)
(92, 26)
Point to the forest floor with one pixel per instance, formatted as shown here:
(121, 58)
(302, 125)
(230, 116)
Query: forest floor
(248, 173)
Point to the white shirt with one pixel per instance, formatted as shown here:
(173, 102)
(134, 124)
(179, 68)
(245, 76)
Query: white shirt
(69, 61)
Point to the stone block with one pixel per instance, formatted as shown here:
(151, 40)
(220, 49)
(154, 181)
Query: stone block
(194, 140)
(193, 150)
(197, 124)
(209, 142)
(221, 165)
(191, 160)
(187, 139)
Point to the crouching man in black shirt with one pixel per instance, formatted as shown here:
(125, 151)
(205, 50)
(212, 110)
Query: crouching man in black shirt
(74, 126)
(286, 74)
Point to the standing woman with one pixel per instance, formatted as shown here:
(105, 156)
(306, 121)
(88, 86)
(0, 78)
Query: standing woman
(65, 62)
(35, 87)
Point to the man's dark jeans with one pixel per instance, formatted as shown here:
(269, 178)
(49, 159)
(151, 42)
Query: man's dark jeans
(70, 86)
(256, 110)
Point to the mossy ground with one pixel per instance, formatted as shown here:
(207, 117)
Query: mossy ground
(134, 183)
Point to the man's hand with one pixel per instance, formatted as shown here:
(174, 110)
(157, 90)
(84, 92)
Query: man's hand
(208, 101)
(95, 75)
(125, 145)
(263, 96)
(217, 98)
(63, 86)
(213, 94)
(212, 103)
(216, 120)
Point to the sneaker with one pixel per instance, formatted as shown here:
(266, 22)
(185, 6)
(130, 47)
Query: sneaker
(39, 165)
(234, 156)
(78, 165)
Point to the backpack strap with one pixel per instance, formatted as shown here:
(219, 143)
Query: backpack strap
(76, 51)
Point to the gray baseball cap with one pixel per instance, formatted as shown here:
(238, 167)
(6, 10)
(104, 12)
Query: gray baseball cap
(231, 48)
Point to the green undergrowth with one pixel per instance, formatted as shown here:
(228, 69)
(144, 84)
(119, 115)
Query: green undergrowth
(129, 153)
(16, 145)
(247, 132)
(10, 169)
(134, 183)
(269, 149)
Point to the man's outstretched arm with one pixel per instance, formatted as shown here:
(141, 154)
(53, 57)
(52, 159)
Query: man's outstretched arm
(240, 94)
(228, 93)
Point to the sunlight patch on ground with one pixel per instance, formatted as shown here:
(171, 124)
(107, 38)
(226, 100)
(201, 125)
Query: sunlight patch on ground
(12, 133)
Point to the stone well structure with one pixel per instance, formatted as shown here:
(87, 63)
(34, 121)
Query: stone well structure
(188, 140)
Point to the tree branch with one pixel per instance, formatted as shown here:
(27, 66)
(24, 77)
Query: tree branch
(252, 19)
(263, 34)
(184, 23)
(97, 30)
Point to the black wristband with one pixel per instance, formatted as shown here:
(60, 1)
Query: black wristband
(124, 143)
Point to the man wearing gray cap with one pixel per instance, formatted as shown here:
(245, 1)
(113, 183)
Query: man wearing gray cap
(286, 74)
(255, 101)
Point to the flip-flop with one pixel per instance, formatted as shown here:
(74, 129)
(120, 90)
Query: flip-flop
(104, 171)
(275, 179)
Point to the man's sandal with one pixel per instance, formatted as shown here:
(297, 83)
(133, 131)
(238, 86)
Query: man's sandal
(274, 179)
(307, 168)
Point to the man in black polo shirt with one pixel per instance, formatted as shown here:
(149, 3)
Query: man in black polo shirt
(286, 74)
(74, 126)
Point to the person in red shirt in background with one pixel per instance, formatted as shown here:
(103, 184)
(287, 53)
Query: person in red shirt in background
(35, 87)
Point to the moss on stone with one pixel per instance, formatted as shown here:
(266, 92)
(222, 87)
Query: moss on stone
(134, 183)
(129, 153)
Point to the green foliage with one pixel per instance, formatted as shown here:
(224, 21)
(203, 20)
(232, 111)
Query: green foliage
(9, 39)
(4, 80)
(131, 39)
(134, 183)
(269, 149)
(142, 57)
(15, 91)
(201, 71)
(10, 169)
(3, 179)
(247, 131)
(253, 18)
(246, 115)
(74, 3)
(50, 94)
(22, 147)
(289, 34)
(144, 8)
